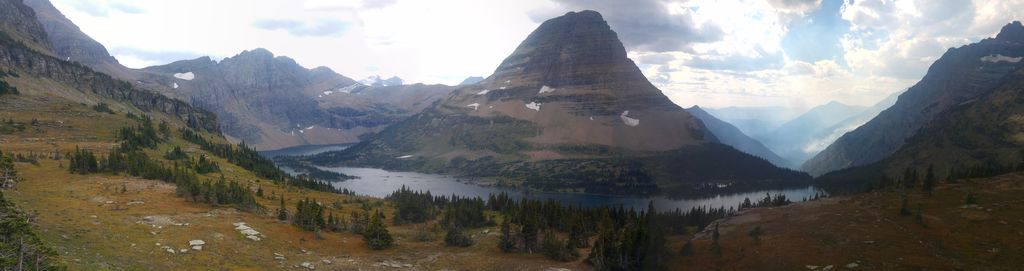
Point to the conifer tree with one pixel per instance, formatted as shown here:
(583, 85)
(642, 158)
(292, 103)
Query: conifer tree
(376, 235)
(282, 211)
(506, 243)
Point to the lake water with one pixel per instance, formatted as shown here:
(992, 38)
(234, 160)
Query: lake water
(380, 183)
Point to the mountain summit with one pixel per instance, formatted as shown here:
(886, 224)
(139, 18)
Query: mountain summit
(571, 77)
(1012, 32)
(566, 100)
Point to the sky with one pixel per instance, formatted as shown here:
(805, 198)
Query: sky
(713, 53)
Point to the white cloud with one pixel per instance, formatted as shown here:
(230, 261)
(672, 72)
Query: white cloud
(724, 52)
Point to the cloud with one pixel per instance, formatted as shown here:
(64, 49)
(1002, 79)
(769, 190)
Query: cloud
(656, 58)
(318, 28)
(817, 36)
(642, 25)
(327, 5)
(762, 61)
(103, 8)
(141, 57)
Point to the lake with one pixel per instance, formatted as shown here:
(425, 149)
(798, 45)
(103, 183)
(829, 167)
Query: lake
(380, 183)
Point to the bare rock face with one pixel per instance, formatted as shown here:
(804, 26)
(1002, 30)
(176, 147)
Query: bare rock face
(960, 75)
(20, 22)
(572, 78)
(71, 44)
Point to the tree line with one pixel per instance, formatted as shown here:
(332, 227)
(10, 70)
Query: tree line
(20, 245)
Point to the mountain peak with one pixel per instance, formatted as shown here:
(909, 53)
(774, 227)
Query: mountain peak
(1012, 32)
(565, 45)
(258, 52)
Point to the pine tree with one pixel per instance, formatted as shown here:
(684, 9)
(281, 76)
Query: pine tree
(456, 238)
(506, 243)
(529, 235)
(904, 207)
(929, 180)
(716, 248)
(376, 235)
(282, 211)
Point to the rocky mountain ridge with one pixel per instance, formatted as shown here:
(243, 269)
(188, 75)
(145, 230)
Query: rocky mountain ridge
(960, 75)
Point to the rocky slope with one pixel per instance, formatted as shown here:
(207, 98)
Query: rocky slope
(272, 102)
(566, 110)
(83, 85)
(729, 135)
(71, 44)
(960, 75)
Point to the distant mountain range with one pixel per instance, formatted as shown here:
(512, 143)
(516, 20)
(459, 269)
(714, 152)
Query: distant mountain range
(268, 101)
(567, 110)
(728, 134)
(756, 120)
(960, 76)
(272, 102)
(796, 140)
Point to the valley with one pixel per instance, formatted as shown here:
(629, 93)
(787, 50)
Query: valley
(574, 153)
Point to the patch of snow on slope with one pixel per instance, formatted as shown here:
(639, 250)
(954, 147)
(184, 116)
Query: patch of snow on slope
(502, 88)
(475, 106)
(404, 156)
(329, 92)
(534, 106)
(627, 120)
(310, 127)
(999, 58)
(175, 85)
(483, 92)
(185, 76)
(546, 89)
(349, 88)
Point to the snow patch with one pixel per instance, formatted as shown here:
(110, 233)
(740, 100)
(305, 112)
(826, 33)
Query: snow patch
(502, 88)
(533, 105)
(185, 76)
(1000, 58)
(483, 92)
(627, 120)
(175, 85)
(310, 127)
(546, 89)
(475, 106)
(329, 92)
(404, 156)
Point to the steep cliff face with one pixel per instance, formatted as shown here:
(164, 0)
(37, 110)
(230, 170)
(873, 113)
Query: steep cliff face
(25, 48)
(272, 102)
(19, 22)
(960, 75)
(566, 110)
(16, 55)
(71, 44)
